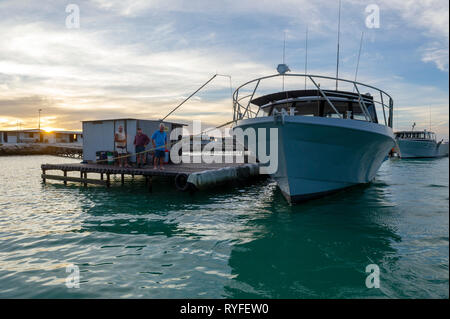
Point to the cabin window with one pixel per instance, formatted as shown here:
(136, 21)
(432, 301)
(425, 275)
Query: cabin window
(359, 117)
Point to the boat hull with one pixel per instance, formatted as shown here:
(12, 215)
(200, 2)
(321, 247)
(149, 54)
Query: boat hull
(443, 150)
(318, 156)
(421, 149)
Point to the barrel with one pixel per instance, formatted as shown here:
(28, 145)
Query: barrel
(166, 156)
(110, 157)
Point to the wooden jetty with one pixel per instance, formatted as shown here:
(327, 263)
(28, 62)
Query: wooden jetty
(187, 176)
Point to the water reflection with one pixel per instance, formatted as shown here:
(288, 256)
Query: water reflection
(254, 243)
(318, 249)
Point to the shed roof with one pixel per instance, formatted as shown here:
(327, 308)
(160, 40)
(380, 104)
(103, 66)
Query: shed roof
(132, 119)
(67, 132)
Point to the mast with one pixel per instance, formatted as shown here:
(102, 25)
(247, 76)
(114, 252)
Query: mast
(429, 111)
(338, 42)
(284, 54)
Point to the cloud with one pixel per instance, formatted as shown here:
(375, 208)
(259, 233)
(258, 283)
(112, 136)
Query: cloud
(79, 74)
(140, 58)
(438, 55)
(432, 18)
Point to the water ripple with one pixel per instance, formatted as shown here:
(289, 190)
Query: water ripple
(243, 242)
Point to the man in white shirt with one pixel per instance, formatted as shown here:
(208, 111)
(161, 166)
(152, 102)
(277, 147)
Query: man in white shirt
(120, 140)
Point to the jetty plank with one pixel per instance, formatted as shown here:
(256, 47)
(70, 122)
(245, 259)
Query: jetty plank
(73, 179)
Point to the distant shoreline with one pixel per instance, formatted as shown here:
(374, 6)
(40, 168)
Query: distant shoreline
(36, 149)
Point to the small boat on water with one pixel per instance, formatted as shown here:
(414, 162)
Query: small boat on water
(420, 144)
(328, 139)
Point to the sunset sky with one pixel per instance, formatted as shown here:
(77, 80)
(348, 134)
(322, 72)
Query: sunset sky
(140, 58)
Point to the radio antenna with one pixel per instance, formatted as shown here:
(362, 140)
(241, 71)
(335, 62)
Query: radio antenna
(359, 55)
(338, 42)
(306, 55)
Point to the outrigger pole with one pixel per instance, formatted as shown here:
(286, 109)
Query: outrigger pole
(195, 92)
(359, 55)
(185, 100)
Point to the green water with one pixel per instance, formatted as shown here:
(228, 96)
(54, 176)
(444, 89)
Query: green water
(244, 242)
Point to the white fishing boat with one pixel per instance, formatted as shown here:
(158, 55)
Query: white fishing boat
(420, 144)
(328, 139)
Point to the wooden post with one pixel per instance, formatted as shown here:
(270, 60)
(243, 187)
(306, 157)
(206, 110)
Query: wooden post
(101, 176)
(108, 181)
(65, 175)
(81, 175)
(43, 178)
(85, 177)
(150, 184)
(122, 179)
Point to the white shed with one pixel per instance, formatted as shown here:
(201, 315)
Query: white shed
(98, 135)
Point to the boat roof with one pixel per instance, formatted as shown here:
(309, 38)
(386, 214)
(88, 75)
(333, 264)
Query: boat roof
(265, 99)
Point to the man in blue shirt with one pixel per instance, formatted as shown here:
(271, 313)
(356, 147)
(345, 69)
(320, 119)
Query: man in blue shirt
(159, 140)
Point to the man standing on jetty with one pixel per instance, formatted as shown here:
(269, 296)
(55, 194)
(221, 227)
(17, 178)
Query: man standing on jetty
(140, 141)
(159, 140)
(120, 139)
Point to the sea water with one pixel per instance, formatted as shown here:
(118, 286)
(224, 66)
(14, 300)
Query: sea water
(232, 242)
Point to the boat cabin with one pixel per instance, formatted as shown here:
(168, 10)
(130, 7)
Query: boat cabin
(313, 103)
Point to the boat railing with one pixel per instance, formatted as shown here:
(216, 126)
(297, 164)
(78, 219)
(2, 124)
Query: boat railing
(244, 95)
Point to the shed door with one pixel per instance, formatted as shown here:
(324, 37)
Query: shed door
(12, 139)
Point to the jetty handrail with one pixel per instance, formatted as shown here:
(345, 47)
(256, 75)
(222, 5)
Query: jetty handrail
(241, 111)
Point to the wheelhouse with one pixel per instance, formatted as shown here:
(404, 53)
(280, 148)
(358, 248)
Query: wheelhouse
(319, 98)
(415, 135)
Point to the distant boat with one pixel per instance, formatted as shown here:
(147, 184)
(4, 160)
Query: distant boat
(420, 144)
(328, 139)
